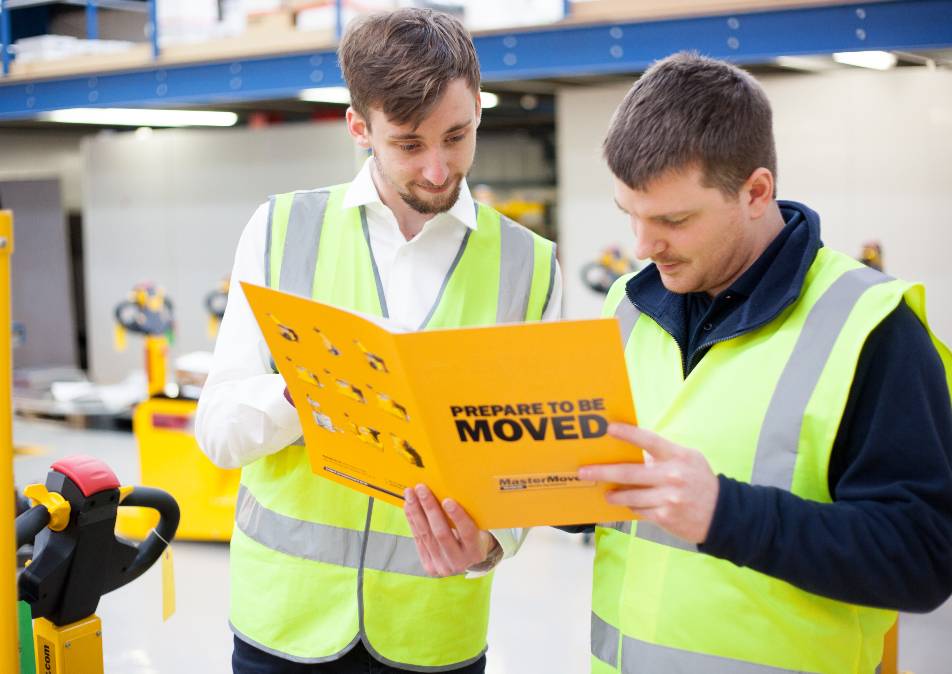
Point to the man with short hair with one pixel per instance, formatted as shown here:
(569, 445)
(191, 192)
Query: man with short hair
(324, 579)
(793, 404)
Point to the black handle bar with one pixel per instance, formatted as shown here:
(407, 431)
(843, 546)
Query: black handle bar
(30, 523)
(153, 546)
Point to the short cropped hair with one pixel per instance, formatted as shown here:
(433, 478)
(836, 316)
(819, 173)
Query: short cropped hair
(690, 110)
(401, 61)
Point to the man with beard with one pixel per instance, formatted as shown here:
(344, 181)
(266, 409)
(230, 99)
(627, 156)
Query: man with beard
(324, 579)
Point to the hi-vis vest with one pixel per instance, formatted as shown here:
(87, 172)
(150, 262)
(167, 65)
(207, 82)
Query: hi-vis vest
(317, 567)
(764, 408)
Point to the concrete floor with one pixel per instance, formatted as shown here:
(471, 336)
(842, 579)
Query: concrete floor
(540, 614)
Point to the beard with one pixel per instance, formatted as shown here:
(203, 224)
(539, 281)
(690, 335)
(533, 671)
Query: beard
(439, 203)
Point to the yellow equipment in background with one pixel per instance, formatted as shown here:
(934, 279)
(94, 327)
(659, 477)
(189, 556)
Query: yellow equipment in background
(148, 312)
(872, 255)
(215, 303)
(612, 263)
(169, 456)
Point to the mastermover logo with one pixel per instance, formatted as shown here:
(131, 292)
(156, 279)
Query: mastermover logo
(546, 481)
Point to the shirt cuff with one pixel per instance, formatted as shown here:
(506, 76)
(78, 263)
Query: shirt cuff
(510, 540)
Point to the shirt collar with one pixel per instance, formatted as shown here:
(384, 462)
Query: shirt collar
(363, 192)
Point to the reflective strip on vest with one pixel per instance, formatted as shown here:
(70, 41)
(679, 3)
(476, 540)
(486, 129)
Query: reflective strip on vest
(325, 543)
(777, 446)
(624, 526)
(517, 255)
(649, 531)
(301, 241)
(548, 293)
(639, 657)
(627, 315)
(604, 641)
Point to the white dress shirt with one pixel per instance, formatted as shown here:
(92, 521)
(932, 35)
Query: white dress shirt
(242, 413)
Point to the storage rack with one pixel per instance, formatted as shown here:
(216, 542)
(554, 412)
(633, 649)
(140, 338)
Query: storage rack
(552, 51)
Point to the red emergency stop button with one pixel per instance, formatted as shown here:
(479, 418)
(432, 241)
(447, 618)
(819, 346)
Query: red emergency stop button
(88, 473)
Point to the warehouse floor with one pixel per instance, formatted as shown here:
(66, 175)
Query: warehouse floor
(540, 614)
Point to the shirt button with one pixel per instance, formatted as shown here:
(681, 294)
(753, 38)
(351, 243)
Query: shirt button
(708, 327)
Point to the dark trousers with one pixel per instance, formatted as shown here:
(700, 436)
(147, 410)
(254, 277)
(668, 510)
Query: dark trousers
(247, 659)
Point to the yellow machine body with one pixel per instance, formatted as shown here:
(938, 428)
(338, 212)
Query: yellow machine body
(9, 659)
(156, 353)
(71, 649)
(170, 459)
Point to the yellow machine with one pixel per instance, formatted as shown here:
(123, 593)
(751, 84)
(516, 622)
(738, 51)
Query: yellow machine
(169, 456)
(611, 264)
(872, 255)
(215, 303)
(77, 558)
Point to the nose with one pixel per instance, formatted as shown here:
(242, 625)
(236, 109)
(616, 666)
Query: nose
(647, 243)
(436, 169)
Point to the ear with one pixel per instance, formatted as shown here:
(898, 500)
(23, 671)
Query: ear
(359, 128)
(479, 109)
(758, 191)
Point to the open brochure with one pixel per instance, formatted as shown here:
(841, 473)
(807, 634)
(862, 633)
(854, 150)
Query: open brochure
(498, 417)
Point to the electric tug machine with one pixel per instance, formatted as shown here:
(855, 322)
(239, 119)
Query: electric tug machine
(77, 558)
(169, 456)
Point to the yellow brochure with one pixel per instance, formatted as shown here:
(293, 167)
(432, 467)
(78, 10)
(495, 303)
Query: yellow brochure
(498, 417)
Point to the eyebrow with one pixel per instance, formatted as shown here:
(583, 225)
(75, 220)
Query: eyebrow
(676, 215)
(416, 136)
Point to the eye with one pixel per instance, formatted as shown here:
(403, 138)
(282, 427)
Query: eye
(409, 147)
(456, 139)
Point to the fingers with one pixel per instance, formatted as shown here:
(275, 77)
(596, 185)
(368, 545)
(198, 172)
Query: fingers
(465, 526)
(652, 443)
(448, 541)
(644, 499)
(635, 474)
(422, 535)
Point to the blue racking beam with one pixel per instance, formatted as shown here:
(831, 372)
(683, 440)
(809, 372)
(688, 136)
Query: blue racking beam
(526, 54)
(5, 36)
(92, 19)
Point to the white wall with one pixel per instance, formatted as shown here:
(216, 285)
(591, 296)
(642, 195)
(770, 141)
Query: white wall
(870, 151)
(170, 209)
(33, 155)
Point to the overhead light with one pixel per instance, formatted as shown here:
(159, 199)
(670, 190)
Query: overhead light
(144, 132)
(139, 117)
(810, 64)
(488, 100)
(338, 95)
(878, 60)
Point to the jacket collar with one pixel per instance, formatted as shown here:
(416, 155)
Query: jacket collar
(771, 284)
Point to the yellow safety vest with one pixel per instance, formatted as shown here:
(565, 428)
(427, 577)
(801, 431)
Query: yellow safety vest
(764, 408)
(316, 567)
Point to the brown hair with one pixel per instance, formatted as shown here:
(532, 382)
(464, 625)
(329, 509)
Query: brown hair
(686, 110)
(401, 61)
